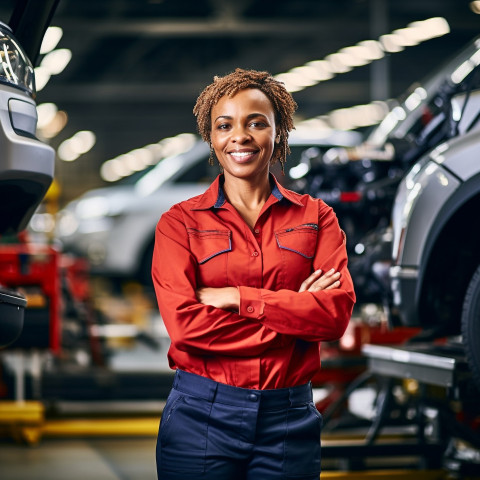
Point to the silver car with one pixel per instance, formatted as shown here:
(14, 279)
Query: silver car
(26, 164)
(435, 275)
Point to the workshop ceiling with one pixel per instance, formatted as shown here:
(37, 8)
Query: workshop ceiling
(137, 66)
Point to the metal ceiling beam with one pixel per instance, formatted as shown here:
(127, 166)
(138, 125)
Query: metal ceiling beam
(182, 92)
(208, 28)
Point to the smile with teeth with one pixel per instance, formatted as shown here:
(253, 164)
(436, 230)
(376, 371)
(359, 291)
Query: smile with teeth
(242, 155)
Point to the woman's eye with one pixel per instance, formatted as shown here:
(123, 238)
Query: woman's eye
(222, 126)
(258, 124)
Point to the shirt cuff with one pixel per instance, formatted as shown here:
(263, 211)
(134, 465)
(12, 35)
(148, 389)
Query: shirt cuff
(251, 303)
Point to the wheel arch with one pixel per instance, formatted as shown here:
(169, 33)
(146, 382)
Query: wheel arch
(449, 259)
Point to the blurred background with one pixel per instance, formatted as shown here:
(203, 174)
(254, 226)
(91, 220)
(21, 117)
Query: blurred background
(379, 84)
(132, 70)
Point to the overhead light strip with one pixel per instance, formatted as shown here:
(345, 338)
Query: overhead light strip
(363, 53)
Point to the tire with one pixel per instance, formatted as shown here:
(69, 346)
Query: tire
(471, 326)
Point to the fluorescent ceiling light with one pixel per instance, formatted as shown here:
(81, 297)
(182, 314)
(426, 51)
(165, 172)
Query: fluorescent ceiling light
(373, 49)
(337, 62)
(70, 149)
(356, 56)
(391, 43)
(431, 28)
(56, 61)
(42, 76)
(46, 113)
(363, 53)
(312, 74)
(475, 7)
(55, 126)
(50, 40)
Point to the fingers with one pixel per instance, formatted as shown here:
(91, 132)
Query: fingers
(333, 285)
(316, 281)
(326, 282)
(310, 280)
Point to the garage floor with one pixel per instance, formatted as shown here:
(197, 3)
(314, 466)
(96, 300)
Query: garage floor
(76, 459)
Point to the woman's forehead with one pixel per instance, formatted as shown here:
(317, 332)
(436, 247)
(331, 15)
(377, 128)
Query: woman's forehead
(249, 98)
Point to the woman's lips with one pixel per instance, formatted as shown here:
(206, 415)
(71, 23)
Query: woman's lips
(242, 157)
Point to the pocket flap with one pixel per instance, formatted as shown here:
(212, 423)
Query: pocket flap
(301, 239)
(206, 244)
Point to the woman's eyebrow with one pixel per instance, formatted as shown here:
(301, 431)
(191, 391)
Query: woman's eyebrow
(253, 115)
(227, 117)
(249, 116)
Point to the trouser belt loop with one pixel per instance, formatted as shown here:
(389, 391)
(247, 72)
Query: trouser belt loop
(175, 379)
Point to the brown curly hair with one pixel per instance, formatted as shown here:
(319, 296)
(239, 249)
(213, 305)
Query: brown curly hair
(283, 103)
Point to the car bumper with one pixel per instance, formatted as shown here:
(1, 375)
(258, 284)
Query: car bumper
(403, 285)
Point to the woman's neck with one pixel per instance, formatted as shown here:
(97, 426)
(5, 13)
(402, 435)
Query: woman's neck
(247, 197)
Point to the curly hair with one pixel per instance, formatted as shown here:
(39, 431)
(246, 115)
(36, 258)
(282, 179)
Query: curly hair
(282, 101)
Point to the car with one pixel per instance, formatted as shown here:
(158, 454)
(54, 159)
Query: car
(418, 121)
(114, 227)
(26, 164)
(435, 272)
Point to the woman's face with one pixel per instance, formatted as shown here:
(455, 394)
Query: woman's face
(243, 133)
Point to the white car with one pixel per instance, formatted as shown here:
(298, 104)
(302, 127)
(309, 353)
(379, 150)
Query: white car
(114, 227)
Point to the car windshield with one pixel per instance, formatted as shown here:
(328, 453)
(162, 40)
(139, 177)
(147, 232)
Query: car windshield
(166, 167)
(418, 103)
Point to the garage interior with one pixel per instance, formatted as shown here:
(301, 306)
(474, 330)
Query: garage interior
(83, 387)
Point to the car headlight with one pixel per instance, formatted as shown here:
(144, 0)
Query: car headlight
(15, 67)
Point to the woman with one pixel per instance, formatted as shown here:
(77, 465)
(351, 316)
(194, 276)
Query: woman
(250, 278)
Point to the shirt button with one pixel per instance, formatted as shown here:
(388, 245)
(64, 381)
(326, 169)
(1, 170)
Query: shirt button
(250, 309)
(257, 231)
(255, 254)
(252, 397)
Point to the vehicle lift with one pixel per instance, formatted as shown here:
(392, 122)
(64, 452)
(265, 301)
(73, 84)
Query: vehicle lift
(433, 430)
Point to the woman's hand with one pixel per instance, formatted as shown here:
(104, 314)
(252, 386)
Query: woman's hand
(316, 281)
(227, 298)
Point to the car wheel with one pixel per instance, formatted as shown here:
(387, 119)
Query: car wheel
(471, 326)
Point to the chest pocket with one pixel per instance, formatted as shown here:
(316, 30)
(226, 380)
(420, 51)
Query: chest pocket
(210, 248)
(297, 248)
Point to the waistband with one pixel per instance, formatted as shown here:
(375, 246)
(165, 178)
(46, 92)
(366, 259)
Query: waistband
(213, 391)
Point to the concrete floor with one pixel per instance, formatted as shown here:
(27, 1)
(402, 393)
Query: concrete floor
(78, 459)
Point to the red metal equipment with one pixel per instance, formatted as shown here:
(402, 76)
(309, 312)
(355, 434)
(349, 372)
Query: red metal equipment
(35, 268)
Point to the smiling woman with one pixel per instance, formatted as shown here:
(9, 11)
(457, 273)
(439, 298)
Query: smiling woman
(243, 133)
(281, 102)
(250, 277)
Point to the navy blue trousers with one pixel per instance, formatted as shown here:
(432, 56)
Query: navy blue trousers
(214, 431)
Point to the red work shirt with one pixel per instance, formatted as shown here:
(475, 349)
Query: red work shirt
(273, 341)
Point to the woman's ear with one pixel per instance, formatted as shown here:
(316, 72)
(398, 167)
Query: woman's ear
(277, 139)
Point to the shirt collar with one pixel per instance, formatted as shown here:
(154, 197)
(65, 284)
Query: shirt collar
(214, 197)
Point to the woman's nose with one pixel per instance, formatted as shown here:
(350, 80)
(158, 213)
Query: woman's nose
(240, 135)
